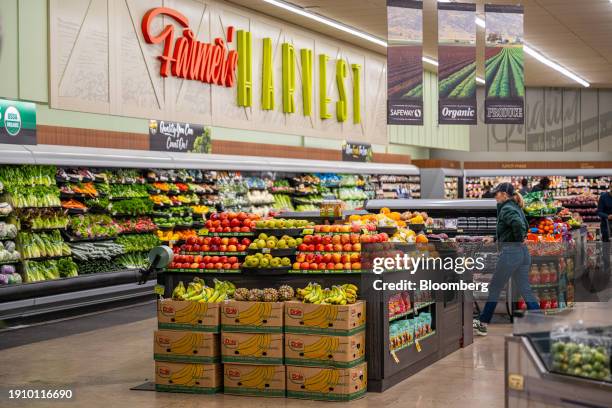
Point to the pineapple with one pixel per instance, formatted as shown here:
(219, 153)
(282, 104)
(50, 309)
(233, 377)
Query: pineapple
(241, 294)
(255, 295)
(270, 295)
(285, 292)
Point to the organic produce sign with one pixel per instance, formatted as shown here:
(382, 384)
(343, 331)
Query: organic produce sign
(404, 62)
(457, 63)
(356, 152)
(504, 65)
(17, 122)
(179, 137)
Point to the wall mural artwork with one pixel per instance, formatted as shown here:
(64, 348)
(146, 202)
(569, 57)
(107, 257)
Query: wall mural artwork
(555, 120)
(213, 63)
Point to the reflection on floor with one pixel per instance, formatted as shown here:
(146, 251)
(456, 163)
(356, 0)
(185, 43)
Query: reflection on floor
(100, 366)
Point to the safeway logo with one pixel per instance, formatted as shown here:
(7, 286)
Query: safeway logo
(188, 58)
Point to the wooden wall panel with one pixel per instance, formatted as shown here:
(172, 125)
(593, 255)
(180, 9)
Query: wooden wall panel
(437, 164)
(537, 165)
(58, 135)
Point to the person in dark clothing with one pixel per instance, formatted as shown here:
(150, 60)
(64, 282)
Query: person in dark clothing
(514, 259)
(524, 187)
(487, 192)
(604, 211)
(543, 185)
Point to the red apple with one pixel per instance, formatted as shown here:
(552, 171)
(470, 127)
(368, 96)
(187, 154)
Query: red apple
(339, 266)
(356, 247)
(206, 259)
(235, 265)
(305, 265)
(329, 247)
(210, 265)
(218, 265)
(311, 247)
(320, 247)
(307, 239)
(194, 266)
(297, 266)
(245, 241)
(232, 259)
(330, 266)
(302, 247)
(322, 266)
(202, 265)
(337, 247)
(232, 248)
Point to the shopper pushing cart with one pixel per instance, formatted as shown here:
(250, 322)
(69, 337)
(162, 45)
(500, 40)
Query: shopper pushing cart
(514, 260)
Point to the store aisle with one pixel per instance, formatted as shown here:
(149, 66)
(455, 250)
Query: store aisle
(100, 367)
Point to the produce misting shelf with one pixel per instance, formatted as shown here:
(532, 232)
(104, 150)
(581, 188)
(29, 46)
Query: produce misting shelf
(403, 346)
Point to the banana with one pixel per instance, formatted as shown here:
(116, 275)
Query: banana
(178, 291)
(258, 377)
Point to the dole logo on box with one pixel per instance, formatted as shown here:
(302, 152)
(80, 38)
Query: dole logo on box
(297, 377)
(168, 309)
(233, 374)
(296, 345)
(295, 312)
(163, 371)
(229, 342)
(162, 340)
(230, 311)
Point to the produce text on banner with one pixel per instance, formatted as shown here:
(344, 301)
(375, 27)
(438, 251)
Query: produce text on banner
(168, 136)
(504, 64)
(457, 63)
(17, 122)
(404, 62)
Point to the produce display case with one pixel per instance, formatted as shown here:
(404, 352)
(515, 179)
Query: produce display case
(553, 360)
(440, 183)
(162, 195)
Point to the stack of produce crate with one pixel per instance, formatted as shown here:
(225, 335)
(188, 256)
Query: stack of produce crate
(186, 347)
(252, 346)
(325, 350)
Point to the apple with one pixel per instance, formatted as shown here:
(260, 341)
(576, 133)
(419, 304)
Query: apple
(355, 257)
(311, 247)
(214, 216)
(318, 258)
(241, 248)
(339, 266)
(345, 239)
(232, 248)
(194, 266)
(223, 216)
(232, 259)
(356, 247)
(337, 247)
(245, 229)
(197, 258)
(347, 247)
(327, 239)
(296, 266)
(356, 265)
(302, 247)
(202, 265)
(314, 266)
(322, 266)
(205, 248)
(327, 258)
(330, 265)
(317, 228)
(336, 239)
(336, 258)
(347, 265)
(218, 265)
(191, 240)
(235, 265)
(320, 247)
(346, 258)
(214, 259)
(226, 229)
(307, 239)
(245, 241)
(206, 259)
(210, 265)
(305, 265)
(226, 265)
(208, 224)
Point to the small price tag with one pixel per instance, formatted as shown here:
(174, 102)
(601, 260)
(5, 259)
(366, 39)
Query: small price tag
(308, 231)
(459, 230)
(395, 358)
(516, 382)
(418, 346)
(159, 290)
(429, 231)
(203, 231)
(265, 250)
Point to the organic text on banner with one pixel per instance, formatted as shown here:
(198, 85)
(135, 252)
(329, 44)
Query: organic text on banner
(504, 67)
(404, 62)
(457, 63)
(17, 122)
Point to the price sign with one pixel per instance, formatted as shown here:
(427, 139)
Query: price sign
(418, 346)
(159, 290)
(265, 250)
(203, 231)
(395, 358)
(308, 231)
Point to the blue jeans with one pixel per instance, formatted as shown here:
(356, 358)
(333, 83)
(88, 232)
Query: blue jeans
(513, 262)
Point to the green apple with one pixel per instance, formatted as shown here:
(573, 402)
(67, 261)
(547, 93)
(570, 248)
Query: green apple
(275, 262)
(285, 261)
(264, 262)
(260, 224)
(263, 236)
(259, 255)
(253, 245)
(271, 244)
(282, 244)
(269, 224)
(291, 243)
(298, 241)
(261, 244)
(281, 224)
(289, 223)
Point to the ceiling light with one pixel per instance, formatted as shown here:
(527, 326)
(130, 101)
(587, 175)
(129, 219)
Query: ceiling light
(327, 21)
(480, 80)
(430, 61)
(554, 65)
(480, 22)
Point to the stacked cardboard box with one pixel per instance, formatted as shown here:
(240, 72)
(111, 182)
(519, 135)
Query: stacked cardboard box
(325, 351)
(252, 348)
(186, 347)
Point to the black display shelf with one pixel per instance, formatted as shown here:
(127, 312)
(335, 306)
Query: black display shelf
(274, 252)
(66, 285)
(282, 270)
(279, 232)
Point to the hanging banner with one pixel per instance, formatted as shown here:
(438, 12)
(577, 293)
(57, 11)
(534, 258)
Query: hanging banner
(17, 122)
(404, 62)
(168, 136)
(504, 67)
(457, 64)
(356, 152)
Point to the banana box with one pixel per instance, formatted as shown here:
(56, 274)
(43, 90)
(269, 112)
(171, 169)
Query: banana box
(327, 383)
(186, 346)
(256, 380)
(320, 350)
(264, 317)
(251, 348)
(188, 377)
(340, 320)
(187, 315)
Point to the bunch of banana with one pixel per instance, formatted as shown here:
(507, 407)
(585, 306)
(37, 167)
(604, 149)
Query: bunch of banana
(179, 291)
(188, 375)
(255, 346)
(324, 381)
(323, 348)
(257, 377)
(194, 289)
(337, 295)
(188, 343)
(256, 314)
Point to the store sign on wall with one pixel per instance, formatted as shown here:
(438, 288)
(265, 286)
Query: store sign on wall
(214, 63)
(356, 152)
(179, 137)
(17, 122)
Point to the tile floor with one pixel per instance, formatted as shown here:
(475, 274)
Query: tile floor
(100, 366)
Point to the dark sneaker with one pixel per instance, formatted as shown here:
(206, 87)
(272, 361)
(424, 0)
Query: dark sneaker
(481, 328)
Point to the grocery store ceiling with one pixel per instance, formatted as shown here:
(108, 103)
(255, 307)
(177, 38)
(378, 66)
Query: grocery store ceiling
(576, 34)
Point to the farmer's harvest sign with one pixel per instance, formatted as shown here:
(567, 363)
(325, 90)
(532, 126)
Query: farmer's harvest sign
(213, 63)
(17, 122)
(168, 136)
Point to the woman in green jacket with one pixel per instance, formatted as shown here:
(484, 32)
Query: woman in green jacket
(514, 259)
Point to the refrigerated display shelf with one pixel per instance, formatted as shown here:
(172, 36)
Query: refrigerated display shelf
(410, 312)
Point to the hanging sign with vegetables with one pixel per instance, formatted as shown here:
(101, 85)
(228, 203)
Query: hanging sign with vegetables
(179, 137)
